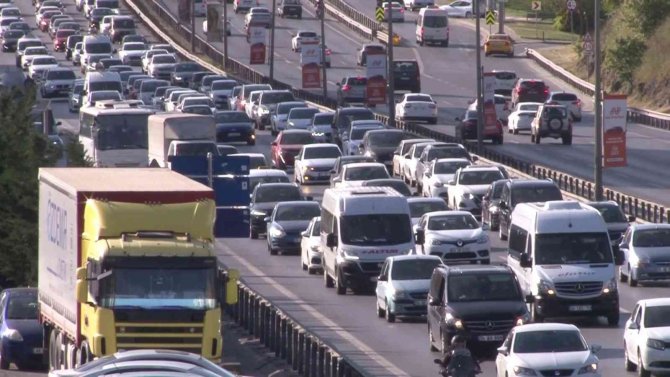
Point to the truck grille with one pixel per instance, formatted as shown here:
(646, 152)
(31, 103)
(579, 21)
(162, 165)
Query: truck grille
(182, 337)
(582, 288)
(489, 327)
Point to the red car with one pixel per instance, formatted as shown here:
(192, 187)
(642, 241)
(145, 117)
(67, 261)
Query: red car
(467, 129)
(45, 21)
(287, 145)
(61, 38)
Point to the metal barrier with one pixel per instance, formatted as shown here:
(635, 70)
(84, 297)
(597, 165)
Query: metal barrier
(303, 351)
(642, 116)
(645, 210)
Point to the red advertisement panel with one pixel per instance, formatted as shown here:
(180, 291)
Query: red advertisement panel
(257, 54)
(615, 110)
(311, 76)
(376, 90)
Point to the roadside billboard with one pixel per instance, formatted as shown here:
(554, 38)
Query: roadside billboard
(615, 110)
(490, 116)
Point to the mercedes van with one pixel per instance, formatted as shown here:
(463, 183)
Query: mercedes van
(432, 26)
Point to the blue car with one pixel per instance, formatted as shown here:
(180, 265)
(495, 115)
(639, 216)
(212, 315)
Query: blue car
(286, 224)
(21, 330)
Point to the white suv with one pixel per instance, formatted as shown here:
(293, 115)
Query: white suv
(646, 336)
(551, 121)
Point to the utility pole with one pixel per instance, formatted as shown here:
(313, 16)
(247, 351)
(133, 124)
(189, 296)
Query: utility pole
(272, 42)
(480, 105)
(597, 158)
(501, 16)
(391, 83)
(193, 26)
(225, 34)
(324, 82)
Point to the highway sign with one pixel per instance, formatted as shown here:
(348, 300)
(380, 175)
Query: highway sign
(536, 5)
(379, 14)
(490, 17)
(572, 5)
(587, 44)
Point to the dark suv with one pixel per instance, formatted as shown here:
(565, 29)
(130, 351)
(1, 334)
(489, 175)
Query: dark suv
(343, 118)
(286, 8)
(526, 90)
(523, 191)
(263, 200)
(406, 76)
(482, 302)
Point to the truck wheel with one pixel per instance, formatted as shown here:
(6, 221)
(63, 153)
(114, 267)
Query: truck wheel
(271, 250)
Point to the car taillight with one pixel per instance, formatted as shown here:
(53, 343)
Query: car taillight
(577, 102)
(327, 52)
(431, 106)
(546, 90)
(421, 31)
(345, 88)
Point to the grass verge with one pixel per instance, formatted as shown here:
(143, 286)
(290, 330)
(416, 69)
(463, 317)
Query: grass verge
(539, 30)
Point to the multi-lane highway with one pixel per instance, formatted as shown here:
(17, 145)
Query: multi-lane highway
(349, 323)
(448, 74)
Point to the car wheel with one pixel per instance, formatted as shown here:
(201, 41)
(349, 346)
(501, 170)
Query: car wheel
(431, 341)
(515, 131)
(629, 365)
(444, 344)
(380, 311)
(640, 367)
(631, 281)
(302, 262)
(622, 278)
(253, 234)
(537, 139)
(327, 280)
(613, 318)
(271, 250)
(535, 316)
(340, 288)
(468, 15)
(390, 317)
(502, 235)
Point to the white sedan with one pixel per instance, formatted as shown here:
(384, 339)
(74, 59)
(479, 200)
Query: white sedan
(354, 174)
(417, 106)
(546, 349)
(301, 37)
(40, 64)
(310, 247)
(646, 334)
(460, 8)
(436, 179)
(521, 118)
(314, 162)
(131, 53)
(421, 206)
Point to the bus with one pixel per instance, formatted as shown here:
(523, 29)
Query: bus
(114, 133)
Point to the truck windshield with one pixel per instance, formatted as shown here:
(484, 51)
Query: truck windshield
(153, 288)
(127, 131)
(376, 229)
(572, 248)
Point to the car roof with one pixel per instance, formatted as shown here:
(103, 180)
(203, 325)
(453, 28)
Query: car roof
(424, 200)
(451, 160)
(649, 226)
(277, 185)
(477, 268)
(448, 213)
(298, 203)
(480, 168)
(661, 301)
(296, 131)
(414, 257)
(267, 173)
(531, 182)
(319, 145)
(364, 165)
(546, 327)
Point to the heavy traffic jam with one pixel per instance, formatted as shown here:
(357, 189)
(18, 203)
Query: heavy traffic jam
(409, 221)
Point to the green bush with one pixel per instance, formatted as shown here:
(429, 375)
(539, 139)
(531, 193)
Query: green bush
(646, 15)
(623, 59)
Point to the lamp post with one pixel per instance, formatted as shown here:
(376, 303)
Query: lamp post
(324, 82)
(389, 65)
(480, 105)
(225, 34)
(272, 42)
(193, 26)
(597, 157)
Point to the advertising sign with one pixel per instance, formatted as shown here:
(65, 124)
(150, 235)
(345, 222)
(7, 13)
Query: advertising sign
(490, 116)
(214, 22)
(375, 65)
(311, 75)
(615, 110)
(256, 34)
(310, 53)
(257, 54)
(376, 90)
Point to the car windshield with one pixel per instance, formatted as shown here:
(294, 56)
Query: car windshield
(163, 59)
(307, 34)
(611, 213)
(452, 222)
(98, 48)
(198, 109)
(435, 21)
(366, 173)
(548, 341)
(449, 167)
(572, 248)
(350, 116)
(528, 107)
(505, 75)
(188, 67)
(652, 237)
(105, 94)
(197, 149)
(44, 61)
(657, 316)
(284, 109)
(223, 85)
(323, 119)
(13, 34)
(149, 86)
(386, 139)
(22, 307)
(483, 287)
(231, 117)
(564, 97)
(277, 194)
(36, 51)
(396, 184)
(125, 24)
(61, 75)
(413, 269)
(297, 138)
(418, 209)
(479, 177)
(451, 152)
(134, 46)
(101, 12)
(322, 152)
(555, 111)
(302, 212)
(375, 229)
(521, 194)
(302, 113)
(64, 33)
(358, 133)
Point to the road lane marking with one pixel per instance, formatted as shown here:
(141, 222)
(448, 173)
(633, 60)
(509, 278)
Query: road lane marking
(379, 359)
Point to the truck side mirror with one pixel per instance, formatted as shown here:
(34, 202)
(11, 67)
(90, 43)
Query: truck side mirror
(82, 291)
(420, 237)
(331, 240)
(526, 261)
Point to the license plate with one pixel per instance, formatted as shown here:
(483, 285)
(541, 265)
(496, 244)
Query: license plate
(490, 338)
(579, 308)
(233, 134)
(38, 351)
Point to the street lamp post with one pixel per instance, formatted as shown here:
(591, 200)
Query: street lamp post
(193, 26)
(390, 75)
(480, 105)
(597, 157)
(225, 34)
(324, 82)
(272, 41)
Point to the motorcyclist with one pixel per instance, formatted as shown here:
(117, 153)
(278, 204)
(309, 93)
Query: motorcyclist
(458, 360)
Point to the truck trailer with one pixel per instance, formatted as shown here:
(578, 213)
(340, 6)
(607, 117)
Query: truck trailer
(127, 261)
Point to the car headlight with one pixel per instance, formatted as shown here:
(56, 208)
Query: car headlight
(257, 213)
(611, 286)
(484, 238)
(178, 78)
(545, 287)
(523, 371)
(349, 254)
(276, 232)
(589, 368)
(656, 344)
(639, 262)
(437, 242)
(12, 334)
(453, 321)
(399, 295)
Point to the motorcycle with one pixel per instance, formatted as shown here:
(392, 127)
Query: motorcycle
(461, 366)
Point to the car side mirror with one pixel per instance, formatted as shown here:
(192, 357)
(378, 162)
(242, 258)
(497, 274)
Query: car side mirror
(304, 233)
(267, 219)
(595, 348)
(631, 219)
(526, 261)
(503, 351)
(529, 299)
(420, 237)
(382, 278)
(619, 256)
(331, 240)
(452, 183)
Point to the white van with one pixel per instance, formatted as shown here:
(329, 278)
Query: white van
(432, 26)
(95, 81)
(360, 228)
(561, 252)
(96, 45)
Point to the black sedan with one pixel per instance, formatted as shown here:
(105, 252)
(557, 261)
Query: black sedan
(288, 221)
(234, 126)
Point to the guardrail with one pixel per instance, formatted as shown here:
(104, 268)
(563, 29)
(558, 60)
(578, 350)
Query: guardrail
(645, 210)
(302, 350)
(642, 116)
